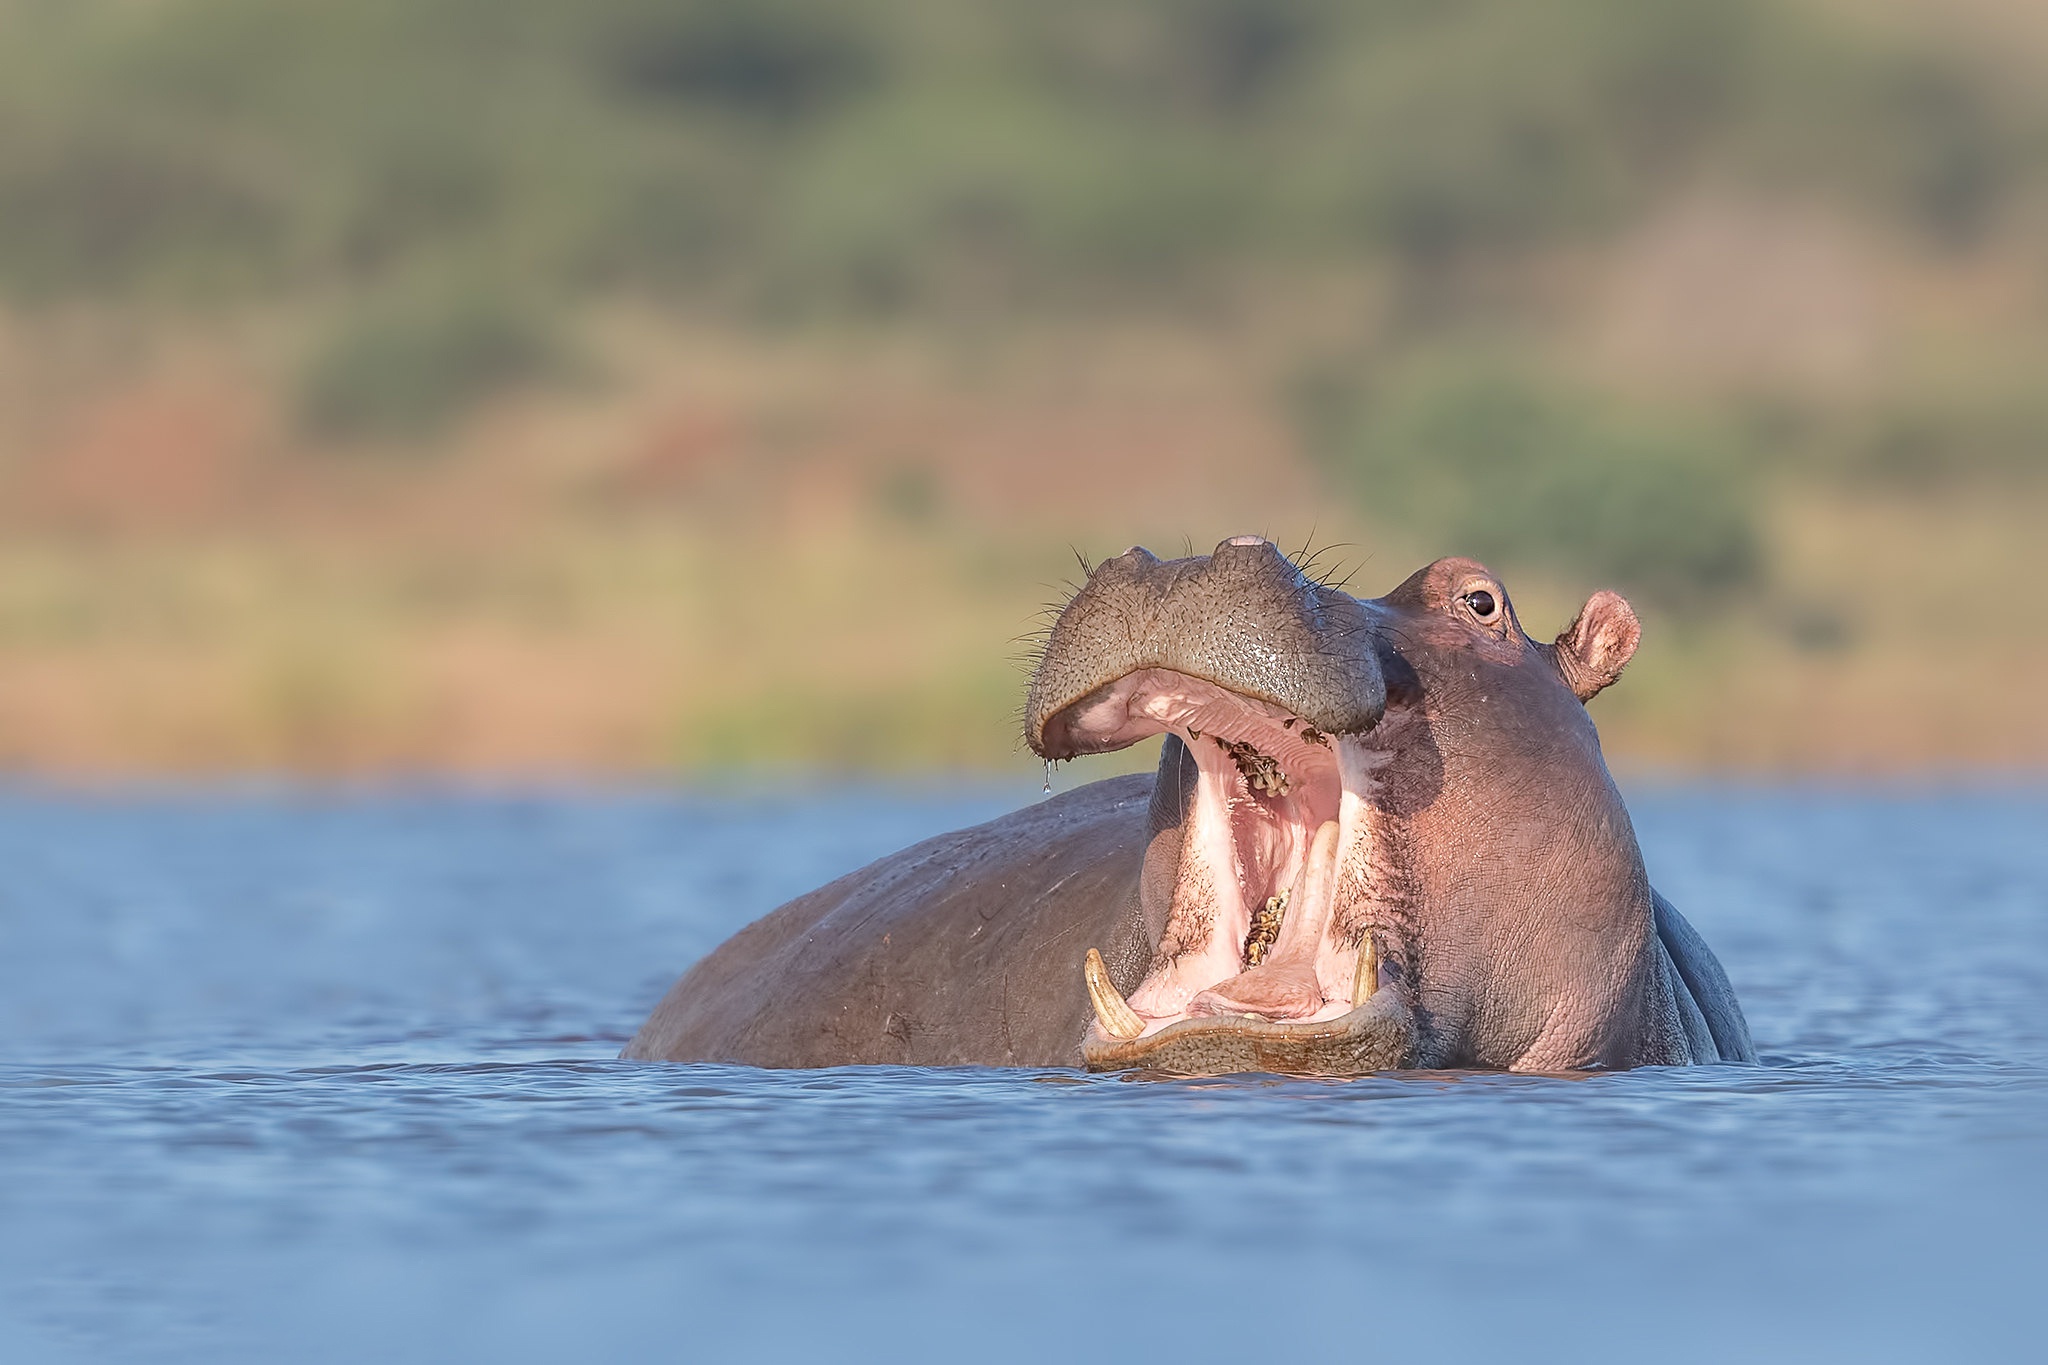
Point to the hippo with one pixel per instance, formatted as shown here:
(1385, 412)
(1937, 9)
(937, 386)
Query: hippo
(1380, 836)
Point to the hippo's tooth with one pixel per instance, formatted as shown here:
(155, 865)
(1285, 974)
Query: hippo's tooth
(1368, 979)
(1115, 1015)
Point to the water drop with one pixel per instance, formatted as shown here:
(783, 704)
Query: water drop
(1048, 777)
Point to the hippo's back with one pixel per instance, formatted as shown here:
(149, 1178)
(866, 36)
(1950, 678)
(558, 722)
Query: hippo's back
(963, 950)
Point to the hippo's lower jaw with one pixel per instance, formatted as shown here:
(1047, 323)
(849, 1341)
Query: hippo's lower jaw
(1376, 1036)
(1266, 959)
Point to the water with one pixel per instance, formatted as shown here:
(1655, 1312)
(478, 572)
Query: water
(303, 1075)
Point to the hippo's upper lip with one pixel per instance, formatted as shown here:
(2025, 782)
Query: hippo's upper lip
(1244, 618)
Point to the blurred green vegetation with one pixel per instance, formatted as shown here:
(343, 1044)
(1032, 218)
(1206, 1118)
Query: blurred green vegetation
(403, 370)
(787, 154)
(773, 159)
(1520, 474)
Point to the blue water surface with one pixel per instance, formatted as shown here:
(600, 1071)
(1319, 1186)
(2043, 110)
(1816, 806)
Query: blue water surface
(306, 1075)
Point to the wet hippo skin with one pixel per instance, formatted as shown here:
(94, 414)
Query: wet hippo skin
(1381, 835)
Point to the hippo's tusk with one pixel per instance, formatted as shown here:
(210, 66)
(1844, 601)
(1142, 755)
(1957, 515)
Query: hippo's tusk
(1368, 978)
(1115, 1015)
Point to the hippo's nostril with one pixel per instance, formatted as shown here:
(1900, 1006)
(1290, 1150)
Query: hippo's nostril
(1244, 550)
(1137, 557)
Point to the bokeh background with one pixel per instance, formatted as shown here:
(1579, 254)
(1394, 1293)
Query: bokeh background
(621, 387)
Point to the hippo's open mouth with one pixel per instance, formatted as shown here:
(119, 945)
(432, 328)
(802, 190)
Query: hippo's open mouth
(1266, 960)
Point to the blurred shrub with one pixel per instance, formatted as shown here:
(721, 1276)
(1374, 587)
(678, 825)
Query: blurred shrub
(1948, 161)
(403, 370)
(905, 204)
(762, 58)
(910, 493)
(1928, 441)
(87, 211)
(1497, 467)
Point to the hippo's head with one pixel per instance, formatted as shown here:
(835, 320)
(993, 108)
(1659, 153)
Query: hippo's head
(1397, 843)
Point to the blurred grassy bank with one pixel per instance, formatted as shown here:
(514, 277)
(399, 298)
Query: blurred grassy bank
(631, 386)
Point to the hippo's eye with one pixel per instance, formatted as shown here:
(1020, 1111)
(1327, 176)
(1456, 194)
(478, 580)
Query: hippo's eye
(1483, 605)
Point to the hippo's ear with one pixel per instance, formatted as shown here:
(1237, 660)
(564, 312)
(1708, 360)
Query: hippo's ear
(1597, 645)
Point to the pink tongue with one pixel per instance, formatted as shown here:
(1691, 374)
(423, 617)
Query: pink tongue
(1276, 990)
